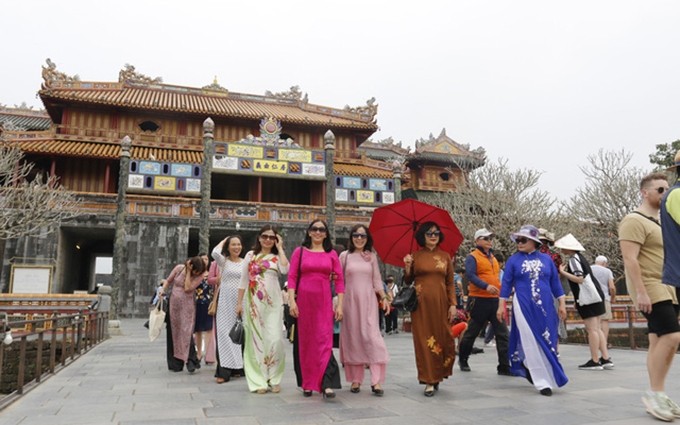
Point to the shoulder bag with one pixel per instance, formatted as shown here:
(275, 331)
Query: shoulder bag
(406, 299)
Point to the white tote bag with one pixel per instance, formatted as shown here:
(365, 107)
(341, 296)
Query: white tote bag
(156, 320)
(587, 293)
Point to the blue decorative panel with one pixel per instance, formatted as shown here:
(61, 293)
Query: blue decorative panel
(181, 170)
(146, 167)
(351, 182)
(377, 184)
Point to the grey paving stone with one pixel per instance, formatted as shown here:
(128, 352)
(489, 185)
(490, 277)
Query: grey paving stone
(125, 381)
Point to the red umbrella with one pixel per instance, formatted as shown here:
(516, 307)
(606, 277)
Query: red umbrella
(394, 226)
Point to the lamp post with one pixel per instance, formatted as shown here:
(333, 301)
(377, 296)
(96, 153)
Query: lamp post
(121, 213)
(206, 183)
(329, 147)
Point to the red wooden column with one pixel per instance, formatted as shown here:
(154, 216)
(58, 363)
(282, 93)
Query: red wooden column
(107, 177)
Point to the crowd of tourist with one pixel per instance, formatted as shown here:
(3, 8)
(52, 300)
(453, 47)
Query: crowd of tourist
(325, 287)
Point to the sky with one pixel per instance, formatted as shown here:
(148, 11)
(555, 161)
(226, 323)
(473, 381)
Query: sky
(541, 83)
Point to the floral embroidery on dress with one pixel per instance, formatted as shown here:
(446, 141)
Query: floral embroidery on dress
(256, 269)
(439, 263)
(434, 345)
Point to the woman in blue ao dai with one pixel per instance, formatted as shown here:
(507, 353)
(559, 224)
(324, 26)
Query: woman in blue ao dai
(533, 337)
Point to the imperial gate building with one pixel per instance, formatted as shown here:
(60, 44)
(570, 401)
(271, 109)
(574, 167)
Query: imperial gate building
(162, 171)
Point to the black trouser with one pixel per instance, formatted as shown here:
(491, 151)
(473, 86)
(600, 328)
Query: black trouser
(484, 310)
(331, 376)
(392, 320)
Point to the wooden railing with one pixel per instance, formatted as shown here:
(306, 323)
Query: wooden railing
(242, 211)
(69, 336)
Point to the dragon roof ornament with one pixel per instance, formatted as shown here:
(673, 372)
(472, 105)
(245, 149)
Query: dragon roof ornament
(129, 74)
(371, 108)
(51, 75)
(293, 94)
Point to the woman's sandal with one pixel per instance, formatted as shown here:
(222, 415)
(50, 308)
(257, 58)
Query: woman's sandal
(220, 380)
(377, 391)
(276, 388)
(354, 389)
(429, 392)
(328, 393)
(261, 391)
(307, 393)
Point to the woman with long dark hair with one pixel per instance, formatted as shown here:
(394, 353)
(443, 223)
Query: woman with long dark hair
(183, 281)
(431, 271)
(227, 254)
(263, 356)
(360, 341)
(311, 302)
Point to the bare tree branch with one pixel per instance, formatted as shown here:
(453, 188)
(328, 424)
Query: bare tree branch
(30, 206)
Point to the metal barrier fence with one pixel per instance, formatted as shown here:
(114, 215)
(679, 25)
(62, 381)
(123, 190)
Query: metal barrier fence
(74, 335)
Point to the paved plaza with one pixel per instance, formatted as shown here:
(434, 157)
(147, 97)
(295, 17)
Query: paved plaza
(125, 381)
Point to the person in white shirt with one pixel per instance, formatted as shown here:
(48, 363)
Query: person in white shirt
(605, 278)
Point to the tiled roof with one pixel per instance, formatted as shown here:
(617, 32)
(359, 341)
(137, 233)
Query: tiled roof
(163, 97)
(112, 151)
(361, 171)
(108, 151)
(28, 120)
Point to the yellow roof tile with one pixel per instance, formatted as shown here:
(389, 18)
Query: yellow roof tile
(164, 97)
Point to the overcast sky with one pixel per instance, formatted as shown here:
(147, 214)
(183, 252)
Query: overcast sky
(541, 83)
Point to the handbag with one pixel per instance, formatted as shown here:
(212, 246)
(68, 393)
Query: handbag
(587, 293)
(237, 333)
(212, 308)
(406, 299)
(156, 320)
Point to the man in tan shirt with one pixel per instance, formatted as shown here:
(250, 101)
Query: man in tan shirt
(642, 249)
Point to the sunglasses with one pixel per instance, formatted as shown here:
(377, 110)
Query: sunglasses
(317, 229)
(436, 233)
(359, 235)
(661, 189)
(268, 238)
(486, 238)
(521, 240)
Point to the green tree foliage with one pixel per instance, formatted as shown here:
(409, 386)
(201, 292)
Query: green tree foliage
(664, 155)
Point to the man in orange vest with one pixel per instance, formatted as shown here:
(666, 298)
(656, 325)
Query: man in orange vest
(483, 273)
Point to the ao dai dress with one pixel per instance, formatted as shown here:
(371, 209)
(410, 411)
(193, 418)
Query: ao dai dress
(182, 312)
(314, 329)
(533, 335)
(360, 340)
(264, 356)
(229, 357)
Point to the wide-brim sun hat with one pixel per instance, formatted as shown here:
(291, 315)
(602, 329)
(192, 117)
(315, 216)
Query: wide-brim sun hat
(569, 242)
(543, 234)
(528, 231)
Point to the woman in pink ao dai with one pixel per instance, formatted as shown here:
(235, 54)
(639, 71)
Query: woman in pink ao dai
(360, 341)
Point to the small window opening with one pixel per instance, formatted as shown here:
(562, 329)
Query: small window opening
(149, 126)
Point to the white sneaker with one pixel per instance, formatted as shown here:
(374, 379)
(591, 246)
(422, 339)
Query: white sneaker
(672, 406)
(490, 344)
(657, 406)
